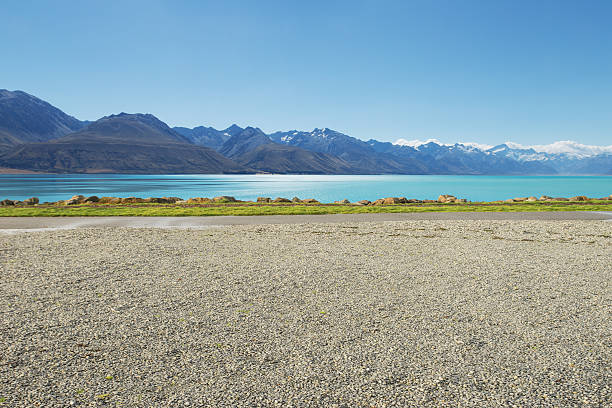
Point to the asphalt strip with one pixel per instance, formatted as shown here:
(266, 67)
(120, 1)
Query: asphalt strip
(33, 224)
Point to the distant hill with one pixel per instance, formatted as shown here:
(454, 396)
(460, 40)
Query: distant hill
(254, 149)
(362, 158)
(243, 142)
(275, 158)
(461, 159)
(137, 128)
(565, 157)
(124, 143)
(25, 118)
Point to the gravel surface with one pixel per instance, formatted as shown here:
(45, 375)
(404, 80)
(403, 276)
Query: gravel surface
(411, 313)
(22, 224)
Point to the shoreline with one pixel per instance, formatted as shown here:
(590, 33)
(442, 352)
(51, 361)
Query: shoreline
(80, 205)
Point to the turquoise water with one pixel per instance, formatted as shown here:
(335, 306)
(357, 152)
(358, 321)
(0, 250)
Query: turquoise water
(323, 188)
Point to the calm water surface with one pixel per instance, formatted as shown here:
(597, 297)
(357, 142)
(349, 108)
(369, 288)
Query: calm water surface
(323, 188)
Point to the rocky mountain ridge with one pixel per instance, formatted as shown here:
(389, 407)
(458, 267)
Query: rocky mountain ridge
(26, 119)
(35, 136)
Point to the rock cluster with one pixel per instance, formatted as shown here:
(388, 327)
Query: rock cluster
(447, 198)
(548, 198)
(29, 201)
(295, 200)
(396, 200)
(80, 199)
(443, 199)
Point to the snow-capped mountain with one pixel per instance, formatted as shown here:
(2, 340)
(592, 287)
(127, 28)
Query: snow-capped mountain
(565, 157)
(416, 143)
(567, 147)
(37, 136)
(363, 157)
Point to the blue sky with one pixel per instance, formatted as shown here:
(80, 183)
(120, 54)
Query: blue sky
(488, 71)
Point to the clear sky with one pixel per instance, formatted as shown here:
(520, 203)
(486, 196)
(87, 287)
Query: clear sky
(532, 71)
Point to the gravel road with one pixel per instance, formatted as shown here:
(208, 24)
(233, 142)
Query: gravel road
(406, 313)
(25, 224)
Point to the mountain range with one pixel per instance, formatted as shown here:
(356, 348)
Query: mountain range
(36, 136)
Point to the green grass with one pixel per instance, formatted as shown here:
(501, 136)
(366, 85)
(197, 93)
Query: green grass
(288, 209)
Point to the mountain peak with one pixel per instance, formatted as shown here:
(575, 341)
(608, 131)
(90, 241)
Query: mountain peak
(252, 130)
(245, 141)
(133, 116)
(234, 129)
(5, 93)
(127, 128)
(25, 118)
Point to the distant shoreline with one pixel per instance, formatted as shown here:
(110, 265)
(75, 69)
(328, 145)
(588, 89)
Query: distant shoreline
(4, 170)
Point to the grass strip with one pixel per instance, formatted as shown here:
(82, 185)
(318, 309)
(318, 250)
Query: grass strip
(294, 209)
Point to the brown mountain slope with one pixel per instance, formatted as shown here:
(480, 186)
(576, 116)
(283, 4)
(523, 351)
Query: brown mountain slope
(275, 158)
(124, 143)
(25, 118)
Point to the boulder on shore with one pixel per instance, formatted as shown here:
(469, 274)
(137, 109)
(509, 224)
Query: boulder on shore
(296, 200)
(519, 199)
(281, 200)
(225, 199)
(263, 199)
(6, 202)
(109, 200)
(132, 200)
(532, 198)
(162, 200)
(198, 200)
(393, 200)
(310, 201)
(31, 201)
(91, 199)
(345, 201)
(446, 198)
(363, 202)
(579, 198)
(74, 200)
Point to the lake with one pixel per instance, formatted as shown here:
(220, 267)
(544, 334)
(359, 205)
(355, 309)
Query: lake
(322, 187)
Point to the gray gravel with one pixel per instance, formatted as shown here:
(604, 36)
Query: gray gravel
(25, 224)
(411, 313)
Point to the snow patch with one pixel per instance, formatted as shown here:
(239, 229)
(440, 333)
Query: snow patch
(479, 146)
(417, 143)
(568, 147)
